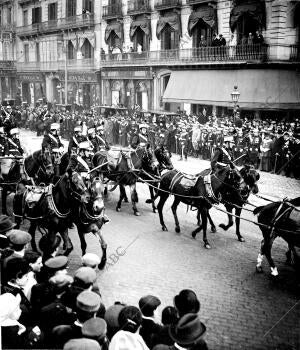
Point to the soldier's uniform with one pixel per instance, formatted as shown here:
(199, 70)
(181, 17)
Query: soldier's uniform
(254, 148)
(183, 144)
(101, 140)
(51, 140)
(81, 163)
(75, 140)
(14, 144)
(222, 155)
(140, 139)
(3, 143)
(93, 140)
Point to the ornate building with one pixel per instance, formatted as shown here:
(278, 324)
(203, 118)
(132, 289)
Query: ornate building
(163, 54)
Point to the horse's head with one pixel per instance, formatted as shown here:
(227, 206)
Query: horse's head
(78, 189)
(250, 177)
(47, 164)
(96, 190)
(163, 159)
(147, 160)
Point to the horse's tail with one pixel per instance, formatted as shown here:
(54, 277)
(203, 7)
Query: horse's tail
(258, 210)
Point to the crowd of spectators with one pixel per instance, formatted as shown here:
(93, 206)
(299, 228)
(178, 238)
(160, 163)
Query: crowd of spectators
(43, 306)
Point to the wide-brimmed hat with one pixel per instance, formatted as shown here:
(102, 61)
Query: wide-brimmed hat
(6, 224)
(188, 330)
(187, 302)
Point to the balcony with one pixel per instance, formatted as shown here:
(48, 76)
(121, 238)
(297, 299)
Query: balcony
(7, 65)
(136, 7)
(8, 28)
(83, 65)
(199, 2)
(112, 11)
(295, 53)
(166, 4)
(81, 21)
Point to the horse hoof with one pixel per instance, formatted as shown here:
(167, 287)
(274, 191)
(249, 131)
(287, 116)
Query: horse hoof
(118, 209)
(241, 239)
(213, 229)
(126, 200)
(164, 228)
(223, 227)
(148, 201)
(177, 229)
(154, 210)
(102, 264)
(207, 245)
(137, 213)
(259, 269)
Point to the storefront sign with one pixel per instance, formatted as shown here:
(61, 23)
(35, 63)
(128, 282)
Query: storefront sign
(30, 77)
(79, 77)
(135, 74)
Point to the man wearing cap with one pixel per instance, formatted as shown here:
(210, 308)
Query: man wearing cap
(101, 139)
(14, 144)
(149, 328)
(82, 162)
(75, 140)
(223, 155)
(140, 139)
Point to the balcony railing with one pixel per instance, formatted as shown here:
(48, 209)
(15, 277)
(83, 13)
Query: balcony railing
(138, 6)
(166, 4)
(7, 65)
(80, 21)
(112, 11)
(82, 65)
(195, 2)
(295, 53)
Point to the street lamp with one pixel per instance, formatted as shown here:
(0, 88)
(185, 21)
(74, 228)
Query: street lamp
(235, 95)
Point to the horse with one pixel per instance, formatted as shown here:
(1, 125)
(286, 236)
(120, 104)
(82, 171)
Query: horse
(39, 167)
(122, 174)
(50, 207)
(278, 219)
(193, 191)
(249, 177)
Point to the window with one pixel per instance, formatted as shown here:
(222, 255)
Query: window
(140, 39)
(37, 52)
(245, 25)
(36, 15)
(71, 8)
(202, 34)
(169, 38)
(87, 5)
(26, 53)
(25, 18)
(71, 51)
(52, 11)
(87, 49)
(9, 14)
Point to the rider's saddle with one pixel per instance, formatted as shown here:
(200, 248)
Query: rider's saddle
(185, 180)
(33, 194)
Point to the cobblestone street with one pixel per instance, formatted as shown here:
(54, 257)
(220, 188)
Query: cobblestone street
(241, 309)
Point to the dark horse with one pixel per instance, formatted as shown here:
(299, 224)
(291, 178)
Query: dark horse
(278, 219)
(52, 211)
(193, 191)
(39, 167)
(248, 184)
(122, 174)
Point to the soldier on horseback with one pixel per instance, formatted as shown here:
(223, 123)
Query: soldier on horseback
(14, 144)
(223, 155)
(75, 140)
(81, 162)
(53, 143)
(140, 139)
(102, 142)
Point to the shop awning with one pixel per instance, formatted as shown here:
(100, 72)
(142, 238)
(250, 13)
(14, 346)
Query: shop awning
(116, 27)
(142, 22)
(259, 89)
(255, 9)
(172, 19)
(205, 13)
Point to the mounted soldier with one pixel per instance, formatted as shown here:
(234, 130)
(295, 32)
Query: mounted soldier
(14, 145)
(93, 140)
(75, 140)
(81, 162)
(141, 139)
(102, 143)
(223, 155)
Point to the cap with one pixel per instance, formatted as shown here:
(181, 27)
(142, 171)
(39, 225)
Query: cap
(144, 126)
(19, 237)
(54, 126)
(85, 274)
(85, 145)
(88, 301)
(57, 263)
(6, 224)
(94, 328)
(77, 128)
(14, 131)
(61, 280)
(91, 130)
(148, 304)
(82, 344)
(90, 259)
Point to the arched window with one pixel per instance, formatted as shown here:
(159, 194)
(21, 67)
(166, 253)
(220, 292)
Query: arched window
(71, 54)
(169, 38)
(140, 40)
(87, 49)
(202, 34)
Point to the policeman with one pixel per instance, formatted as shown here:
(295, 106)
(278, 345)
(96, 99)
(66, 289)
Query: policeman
(140, 139)
(14, 144)
(223, 155)
(183, 143)
(52, 140)
(81, 162)
(75, 140)
(102, 143)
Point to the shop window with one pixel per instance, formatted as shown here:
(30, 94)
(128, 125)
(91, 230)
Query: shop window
(169, 38)
(71, 8)
(26, 52)
(140, 40)
(71, 51)
(36, 15)
(52, 11)
(202, 34)
(87, 49)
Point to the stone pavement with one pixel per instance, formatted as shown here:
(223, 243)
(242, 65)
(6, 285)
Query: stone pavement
(241, 309)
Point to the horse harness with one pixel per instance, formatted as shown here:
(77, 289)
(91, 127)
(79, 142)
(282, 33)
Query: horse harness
(279, 215)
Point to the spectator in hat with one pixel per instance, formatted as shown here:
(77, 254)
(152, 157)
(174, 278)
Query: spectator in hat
(35, 262)
(6, 225)
(82, 344)
(49, 249)
(96, 328)
(169, 317)
(112, 318)
(90, 260)
(186, 302)
(150, 327)
(186, 334)
(130, 320)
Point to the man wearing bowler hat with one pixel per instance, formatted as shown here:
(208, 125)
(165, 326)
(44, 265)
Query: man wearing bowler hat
(6, 225)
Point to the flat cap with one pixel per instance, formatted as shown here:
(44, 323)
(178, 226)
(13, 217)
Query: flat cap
(57, 263)
(19, 237)
(94, 328)
(86, 274)
(61, 280)
(90, 259)
(149, 303)
(88, 301)
(6, 224)
(82, 344)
